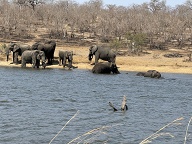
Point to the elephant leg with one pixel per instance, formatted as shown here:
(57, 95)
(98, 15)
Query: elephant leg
(23, 64)
(49, 60)
(70, 63)
(34, 61)
(37, 63)
(96, 59)
(60, 61)
(64, 62)
(15, 57)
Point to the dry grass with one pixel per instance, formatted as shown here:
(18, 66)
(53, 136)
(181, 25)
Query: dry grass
(97, 131)
(64, 127)
(186, 133)
(159, 133)
(92, 135)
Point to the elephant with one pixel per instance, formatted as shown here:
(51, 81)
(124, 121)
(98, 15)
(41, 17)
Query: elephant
(33, 57)
(105, 68)
(17, 49)
(64, 56)
(150, 73)
(105, 54)
(48, 48)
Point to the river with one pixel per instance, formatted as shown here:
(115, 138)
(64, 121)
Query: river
(36, 104)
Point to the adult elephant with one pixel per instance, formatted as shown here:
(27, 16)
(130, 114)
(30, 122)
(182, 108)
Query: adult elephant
(105, 68)
(65, 56)
(48, 47)
(150, 73)
(17, 49)
(105, 54)
(34, 57)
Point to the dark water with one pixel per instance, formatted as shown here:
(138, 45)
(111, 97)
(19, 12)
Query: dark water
(36, 104)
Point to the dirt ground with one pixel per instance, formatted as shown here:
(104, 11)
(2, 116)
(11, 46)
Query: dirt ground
(154, 60)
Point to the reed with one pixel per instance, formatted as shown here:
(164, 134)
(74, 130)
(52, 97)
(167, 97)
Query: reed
(186, 133)
(93, 131)
(64, 126)
(157, 134)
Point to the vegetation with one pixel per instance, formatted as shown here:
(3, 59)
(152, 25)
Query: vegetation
(161, 23)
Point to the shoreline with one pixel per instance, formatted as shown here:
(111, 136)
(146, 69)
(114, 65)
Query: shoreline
(154, 60)
(122, 68)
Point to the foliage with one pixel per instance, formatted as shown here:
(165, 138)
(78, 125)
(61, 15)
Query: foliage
(116, 44)
(137, 40)
(2, 48)
(154, 18)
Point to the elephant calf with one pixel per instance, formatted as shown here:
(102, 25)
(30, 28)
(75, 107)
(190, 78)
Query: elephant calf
(64, 56)
(105, 68)
(150, 73)
(33, 57)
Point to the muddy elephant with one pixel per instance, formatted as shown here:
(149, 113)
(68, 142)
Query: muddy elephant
(34, 57)
(105, 68)
(17, 49)
(105, 54)
(48, 47)
(65, 56)
(150, 73)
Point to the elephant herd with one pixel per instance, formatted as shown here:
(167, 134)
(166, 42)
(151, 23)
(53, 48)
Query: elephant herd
(110, 66)
(42, 52)
(32, 54)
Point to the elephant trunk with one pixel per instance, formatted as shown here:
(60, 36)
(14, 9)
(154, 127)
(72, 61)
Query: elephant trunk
(7, 53)
(70, 64)
(43, 62)
(90, 57)
(7, 56)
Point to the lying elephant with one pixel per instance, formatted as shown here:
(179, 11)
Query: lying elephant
(33, 57)
(105, 54)
(150, 73)
(17, 49)
(105, 68)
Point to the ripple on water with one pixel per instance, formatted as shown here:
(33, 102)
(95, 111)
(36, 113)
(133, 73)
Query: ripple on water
(37, 105)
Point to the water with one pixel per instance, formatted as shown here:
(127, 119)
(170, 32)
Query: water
(36, 104)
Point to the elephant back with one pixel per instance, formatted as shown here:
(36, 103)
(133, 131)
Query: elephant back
(101, 68)
(105, 68)
(61, 53)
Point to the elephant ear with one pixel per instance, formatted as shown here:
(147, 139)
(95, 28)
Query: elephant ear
(36, 54)
(66, 54)
(93, 49)
(15, 48)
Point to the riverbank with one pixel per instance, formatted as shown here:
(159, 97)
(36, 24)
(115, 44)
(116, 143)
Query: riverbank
(152, 60)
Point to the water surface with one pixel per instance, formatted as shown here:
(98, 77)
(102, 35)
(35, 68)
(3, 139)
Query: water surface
(36, 104)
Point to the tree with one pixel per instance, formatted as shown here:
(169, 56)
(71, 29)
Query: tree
(30, 3)
(156, 5)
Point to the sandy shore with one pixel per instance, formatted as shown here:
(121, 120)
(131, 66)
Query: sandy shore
(154, 60)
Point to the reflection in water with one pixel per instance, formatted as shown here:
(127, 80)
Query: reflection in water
(36, 104)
